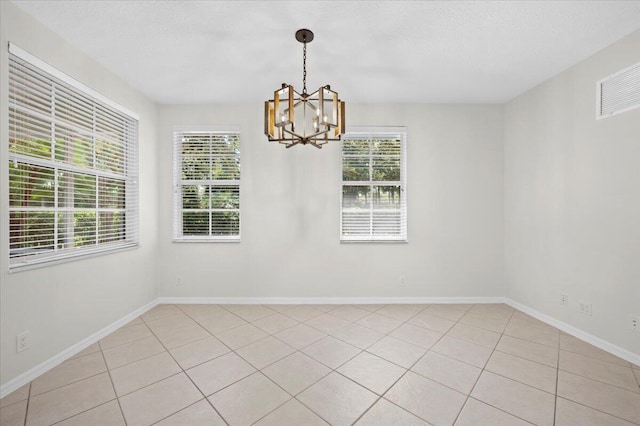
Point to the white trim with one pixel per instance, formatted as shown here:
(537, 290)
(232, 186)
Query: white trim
(47, 365)
(26, 56)
(89, 253)
(326, 300)
(576, 332)
(56, 360)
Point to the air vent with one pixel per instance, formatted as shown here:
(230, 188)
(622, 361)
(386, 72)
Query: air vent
(619, 92)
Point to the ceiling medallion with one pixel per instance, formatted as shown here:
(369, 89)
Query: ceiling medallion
(293, 118)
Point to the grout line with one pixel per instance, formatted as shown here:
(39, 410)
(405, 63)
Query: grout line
(598, 359)
(406, 369)
(596, 409)
(57, 422)
(499, 409)
(182, 371)
(69, 383)
(96, 406)
(482, 370)
(26, 410)
(555, 400)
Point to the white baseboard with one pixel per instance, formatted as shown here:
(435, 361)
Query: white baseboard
(576, 332)
(569, 329)
(47, 365)
(326, 300)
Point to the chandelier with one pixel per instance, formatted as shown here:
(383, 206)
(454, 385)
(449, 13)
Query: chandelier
(293, 118)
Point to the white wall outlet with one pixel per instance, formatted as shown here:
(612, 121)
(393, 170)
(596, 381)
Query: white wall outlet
(585, 308)
(564, 299)
(22, 341)
(178, 281)
(634, 322)
(402, 280)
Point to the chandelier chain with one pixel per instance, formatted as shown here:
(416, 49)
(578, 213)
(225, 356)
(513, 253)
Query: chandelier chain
(304, 68)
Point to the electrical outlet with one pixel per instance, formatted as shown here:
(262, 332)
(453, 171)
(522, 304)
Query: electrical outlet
(22, 341)
(564, 299)
(402, 280)
(634, 322)
(178, 281)
(585, 308)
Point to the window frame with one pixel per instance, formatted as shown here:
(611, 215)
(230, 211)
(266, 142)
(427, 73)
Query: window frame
(177, 222)
(26, 72)
(371, 133)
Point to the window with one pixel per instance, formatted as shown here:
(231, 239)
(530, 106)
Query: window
(374, 199)
(207, 184)
(73, 167)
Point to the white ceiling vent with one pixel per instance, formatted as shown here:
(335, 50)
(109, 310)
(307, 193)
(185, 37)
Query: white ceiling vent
(619, 92)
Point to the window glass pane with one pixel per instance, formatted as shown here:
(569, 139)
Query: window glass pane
(225, 144)
(355, 168)
(355, 147)
(195, 197)
(31, 232)
(195, 223)
(195, 168)
(195, 145)
(110, 156)
(386, 147)
(31, 186)
(356, 197)
(76, 190)
(386, 169)
(225, 197)
(111, 226)
(84, 228)
(225, 223)
(29, 135)
(225, 168)
(386, 197)
(73, 148)
(111, 193)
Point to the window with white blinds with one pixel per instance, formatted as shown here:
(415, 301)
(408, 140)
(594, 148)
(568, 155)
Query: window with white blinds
(73, 167)
(206, 184)
(373, 196)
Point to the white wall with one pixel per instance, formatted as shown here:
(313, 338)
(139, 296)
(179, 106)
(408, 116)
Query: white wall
(572, 200)
(290, 212)
(61, 305)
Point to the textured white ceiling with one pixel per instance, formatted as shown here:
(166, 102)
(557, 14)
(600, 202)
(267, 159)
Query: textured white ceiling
(195, 52)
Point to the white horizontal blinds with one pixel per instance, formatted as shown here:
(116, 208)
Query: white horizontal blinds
(207, 184)
(619, 92)
(373, 204)
(73, 170)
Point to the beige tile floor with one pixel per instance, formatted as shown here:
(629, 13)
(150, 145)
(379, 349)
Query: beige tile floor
(328, 364)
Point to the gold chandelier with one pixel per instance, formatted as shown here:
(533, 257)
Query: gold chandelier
(293, 118)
